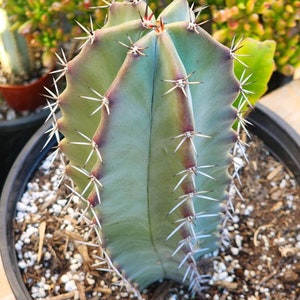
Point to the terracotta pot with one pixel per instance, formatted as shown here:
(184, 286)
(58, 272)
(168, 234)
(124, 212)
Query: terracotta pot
(26, 97)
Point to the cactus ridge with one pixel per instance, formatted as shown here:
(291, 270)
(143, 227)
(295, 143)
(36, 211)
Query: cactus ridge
(148, 135)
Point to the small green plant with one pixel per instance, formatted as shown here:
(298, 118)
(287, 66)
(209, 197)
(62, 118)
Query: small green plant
(38, 29)
(261, 20)
(147, 120)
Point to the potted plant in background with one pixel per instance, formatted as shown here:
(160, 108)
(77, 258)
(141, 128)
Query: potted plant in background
(148, 135)
(261, 20)
(20, 65)
(30, 34)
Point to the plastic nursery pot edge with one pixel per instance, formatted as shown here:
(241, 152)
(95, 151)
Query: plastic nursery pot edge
(279, 137)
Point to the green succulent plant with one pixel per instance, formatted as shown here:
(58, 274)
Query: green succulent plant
(45, 26)
(147, 120)
(261, 20)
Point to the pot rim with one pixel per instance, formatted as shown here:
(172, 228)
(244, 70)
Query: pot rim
(28, 84)
(281, 139)
(11, 125)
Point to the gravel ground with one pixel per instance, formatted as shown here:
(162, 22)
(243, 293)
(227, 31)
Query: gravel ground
(59, 257)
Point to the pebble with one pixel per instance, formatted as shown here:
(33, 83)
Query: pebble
(56, 208)
(69, 228)
(70, 210)
(70, 286)
(238, 162)
(74, 267)
(38, 292)
(90, 280)
(54, 278)
(65, 278)
(250, 223)
(248, 210)
(238, 240)
(259, 267)
(230, 228)
(19, 245)
(235, 219)
(22, 264)
(234, 250)
(79, 276)
(68, 255)
(221, 266)
(48, 274)
(246, 273)
(47, 164)
(124, 294)
(228, 258)
(62, 202)
(22, 207)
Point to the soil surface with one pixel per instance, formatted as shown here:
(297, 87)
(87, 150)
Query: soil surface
(59, 257)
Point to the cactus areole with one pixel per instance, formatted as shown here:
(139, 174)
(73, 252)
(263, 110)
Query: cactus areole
(147, 122)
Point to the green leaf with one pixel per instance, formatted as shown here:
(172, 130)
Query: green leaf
(258, 56)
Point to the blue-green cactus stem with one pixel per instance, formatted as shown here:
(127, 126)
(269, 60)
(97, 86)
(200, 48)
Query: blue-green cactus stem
(147, 118)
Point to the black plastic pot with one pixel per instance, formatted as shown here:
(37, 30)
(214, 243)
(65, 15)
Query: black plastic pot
(278, 80)
(13, 136)
(280, 138)
(20, 174)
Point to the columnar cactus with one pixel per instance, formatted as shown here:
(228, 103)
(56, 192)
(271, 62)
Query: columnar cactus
(147, 122)
(15, 55)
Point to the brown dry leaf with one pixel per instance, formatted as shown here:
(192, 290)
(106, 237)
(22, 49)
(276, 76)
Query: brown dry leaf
(69, 295)
(81, 290)
(254, 165)
(288, 251)
(277, 206)
(48, 203)
(84, 252)
(231, 286)
(274, 172)
(74, 236)
(42, 230)
(257, 231)
(103, 290)
(68, 234)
